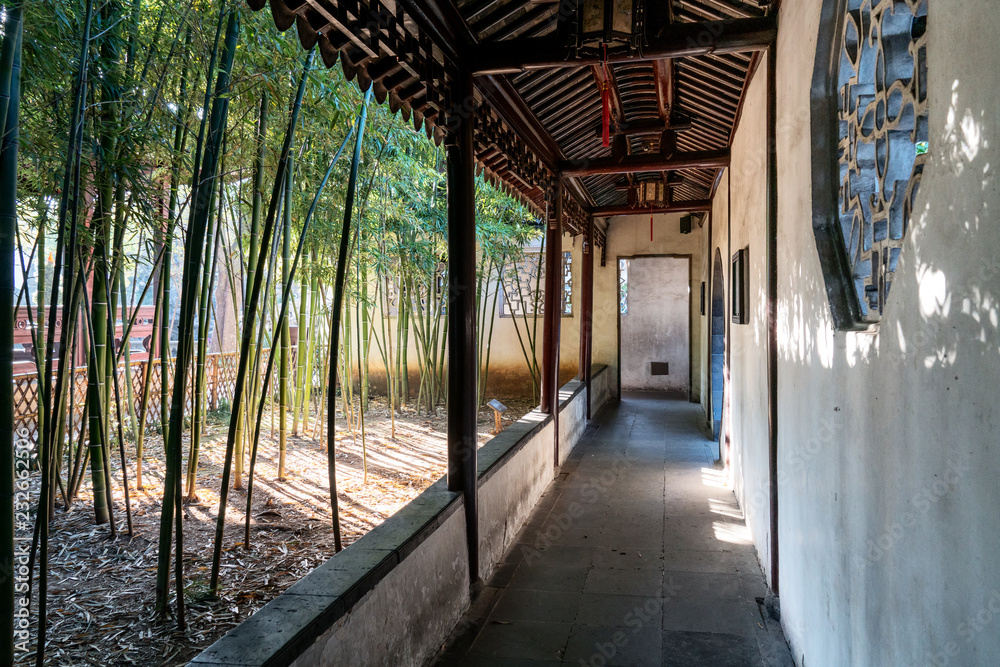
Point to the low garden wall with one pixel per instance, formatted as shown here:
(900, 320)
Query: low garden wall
(393, 596)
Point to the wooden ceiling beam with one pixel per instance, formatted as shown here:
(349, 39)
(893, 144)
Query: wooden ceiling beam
(525, 20)
(647, 128)
(496, 17)
(676, 41)
(616, 97)
(663, 71)
(663, 74)
(500, 93)
(445, 28)
(693, 206)
(635, 164)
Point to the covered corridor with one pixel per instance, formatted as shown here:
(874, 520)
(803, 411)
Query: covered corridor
(637, 554)
(845, 345)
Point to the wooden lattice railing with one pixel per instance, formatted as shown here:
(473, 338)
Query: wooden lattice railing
(220, 382)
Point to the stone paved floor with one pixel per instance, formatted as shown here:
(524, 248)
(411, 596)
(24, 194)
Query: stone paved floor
(636, 555)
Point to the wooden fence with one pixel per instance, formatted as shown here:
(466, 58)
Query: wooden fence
(220, 382)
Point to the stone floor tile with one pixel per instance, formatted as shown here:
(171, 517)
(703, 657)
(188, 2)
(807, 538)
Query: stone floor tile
(638, 555)
(525, 640)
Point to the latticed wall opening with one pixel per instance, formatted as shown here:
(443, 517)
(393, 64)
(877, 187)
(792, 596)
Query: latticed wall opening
(623, 286)
(876, 81)
(524, 286)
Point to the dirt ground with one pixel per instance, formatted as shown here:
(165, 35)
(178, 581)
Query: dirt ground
(102, 590)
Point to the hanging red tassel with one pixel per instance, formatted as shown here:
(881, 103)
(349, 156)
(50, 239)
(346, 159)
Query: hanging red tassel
(651, 224)
(606, 103)
(606, 116)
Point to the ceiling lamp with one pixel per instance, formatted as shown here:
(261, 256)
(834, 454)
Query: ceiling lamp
(609, 23)
(653, 193)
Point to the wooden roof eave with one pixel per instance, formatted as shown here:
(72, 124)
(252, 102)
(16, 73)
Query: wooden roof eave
(409, 57)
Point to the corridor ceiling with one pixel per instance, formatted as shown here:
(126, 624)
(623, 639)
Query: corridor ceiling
(538, 98)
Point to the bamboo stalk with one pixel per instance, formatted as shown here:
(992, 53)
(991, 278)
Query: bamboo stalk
(201, 352)
(311, 349)
(8, 229)
(147, 376)
(121, 446)
(301, 351)
(338, 300)
(283, 328)
(282, 318)
(248, 322)
(193, 253)
(70, 192)
(166, 317)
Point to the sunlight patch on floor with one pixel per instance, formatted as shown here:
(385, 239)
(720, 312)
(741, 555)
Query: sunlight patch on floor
(714, 478)
(734, 533)
(724, 508)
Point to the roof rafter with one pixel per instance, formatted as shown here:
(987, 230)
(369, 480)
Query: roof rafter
(676, 41)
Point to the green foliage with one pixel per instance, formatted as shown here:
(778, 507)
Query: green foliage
(144, 107)
(220, 416)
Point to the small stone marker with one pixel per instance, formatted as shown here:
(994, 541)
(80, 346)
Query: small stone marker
(498, 409)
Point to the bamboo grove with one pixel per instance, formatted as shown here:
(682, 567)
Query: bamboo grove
(186, 157)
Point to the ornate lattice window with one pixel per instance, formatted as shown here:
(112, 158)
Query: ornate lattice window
(524, 286)
(440, 284)
(567, 286)
(870, 117)
(623, 286)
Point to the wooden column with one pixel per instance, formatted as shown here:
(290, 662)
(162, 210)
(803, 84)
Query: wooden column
(463, 363)
(772, 303)
(587, 310)
(553, 311)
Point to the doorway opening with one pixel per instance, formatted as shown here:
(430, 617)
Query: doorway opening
(717, 353)
(654, 324)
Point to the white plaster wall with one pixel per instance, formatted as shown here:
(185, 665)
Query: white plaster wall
(888, 458)
(628, 236)
(508, 375)
(508, 497)
(657, 327)
(573, 416)
(743, 225)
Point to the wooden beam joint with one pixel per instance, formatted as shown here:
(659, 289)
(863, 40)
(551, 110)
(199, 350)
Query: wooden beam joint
(635, 164)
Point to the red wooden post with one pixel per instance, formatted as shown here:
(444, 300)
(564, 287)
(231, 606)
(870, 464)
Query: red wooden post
(463, 363)
(553, 311)
(587, 310)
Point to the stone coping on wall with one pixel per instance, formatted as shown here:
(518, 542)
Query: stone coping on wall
(286, 626)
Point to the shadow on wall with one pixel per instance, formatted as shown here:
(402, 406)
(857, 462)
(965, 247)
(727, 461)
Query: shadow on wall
(886, 436)
(806, 333)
